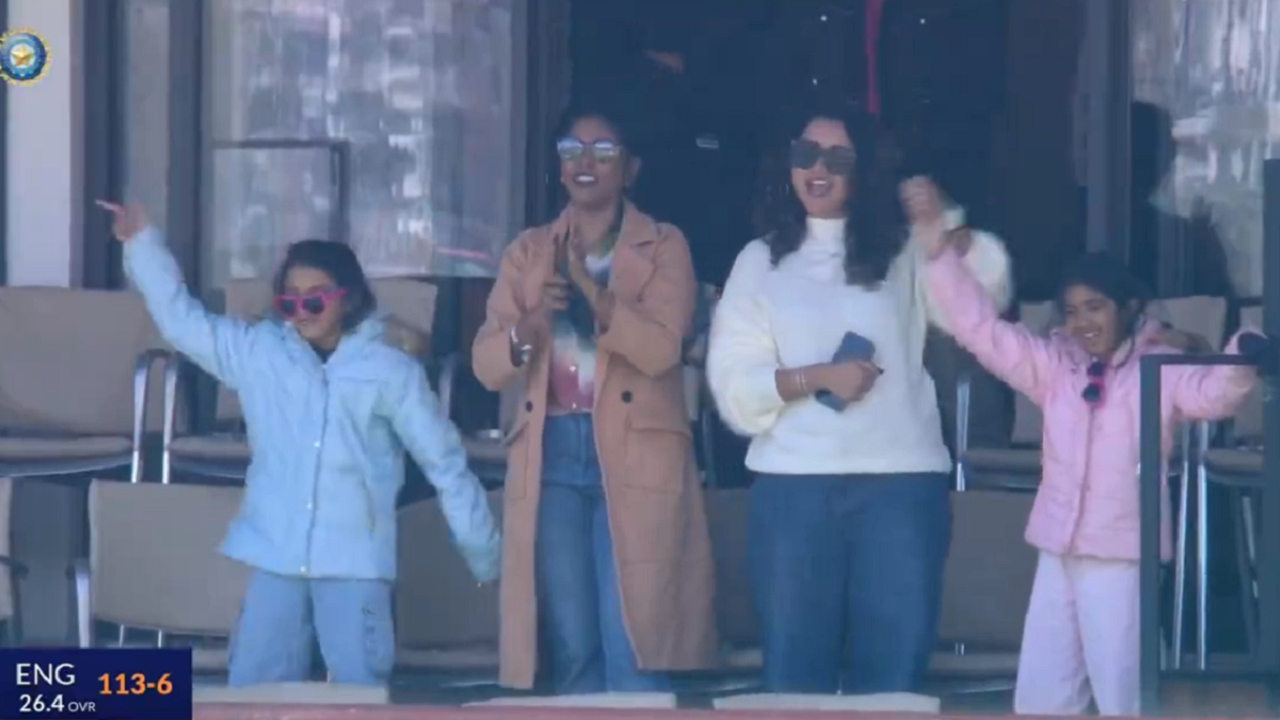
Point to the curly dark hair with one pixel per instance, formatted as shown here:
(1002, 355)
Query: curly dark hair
(875, 231)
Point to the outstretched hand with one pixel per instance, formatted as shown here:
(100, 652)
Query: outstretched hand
(126, 220)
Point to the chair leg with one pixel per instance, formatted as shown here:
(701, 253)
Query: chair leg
(1245, 556)
(1180, 570)
(1202, 568)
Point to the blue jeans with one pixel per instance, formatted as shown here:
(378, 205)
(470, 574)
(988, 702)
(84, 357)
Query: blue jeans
(847, 572)
(579, 600)
(352, 619)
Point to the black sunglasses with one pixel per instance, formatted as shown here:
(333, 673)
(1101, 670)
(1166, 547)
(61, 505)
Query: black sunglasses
(838, 159)
(602, 151)
(1097, 372)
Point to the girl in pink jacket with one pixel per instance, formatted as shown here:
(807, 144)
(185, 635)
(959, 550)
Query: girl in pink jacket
(1081, 630)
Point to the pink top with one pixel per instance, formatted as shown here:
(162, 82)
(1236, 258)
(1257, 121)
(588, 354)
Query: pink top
(1088, 501)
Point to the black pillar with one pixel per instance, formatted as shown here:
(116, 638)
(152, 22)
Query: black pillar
(104, 138)
(1269, 552)
(1108, 83)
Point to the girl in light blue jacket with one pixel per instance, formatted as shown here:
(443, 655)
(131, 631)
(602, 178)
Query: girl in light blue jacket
(329, 409)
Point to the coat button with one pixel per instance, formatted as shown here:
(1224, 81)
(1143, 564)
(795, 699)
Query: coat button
(626, 396)
(528, 406)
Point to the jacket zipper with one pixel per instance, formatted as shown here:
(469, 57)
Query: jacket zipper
(315, 484)
(1084, 481)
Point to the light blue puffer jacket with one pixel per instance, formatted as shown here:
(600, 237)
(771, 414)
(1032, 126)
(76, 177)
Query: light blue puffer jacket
(328, 439)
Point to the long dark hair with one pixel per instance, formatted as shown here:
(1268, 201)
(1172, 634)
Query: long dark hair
(874, 230)
(1107, 275)
(338, 261)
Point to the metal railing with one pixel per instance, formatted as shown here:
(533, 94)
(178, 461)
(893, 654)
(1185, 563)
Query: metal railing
(1151, 470)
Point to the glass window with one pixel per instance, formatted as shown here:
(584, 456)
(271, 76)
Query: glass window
(423, 90)
(1211, 69)
(146, 90)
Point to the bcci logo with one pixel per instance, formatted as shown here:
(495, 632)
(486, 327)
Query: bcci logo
(24, 57)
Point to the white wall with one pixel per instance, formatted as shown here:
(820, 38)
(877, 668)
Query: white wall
(43, 204)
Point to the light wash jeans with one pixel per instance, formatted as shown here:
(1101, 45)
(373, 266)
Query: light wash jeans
(579, 602)
(351, 618)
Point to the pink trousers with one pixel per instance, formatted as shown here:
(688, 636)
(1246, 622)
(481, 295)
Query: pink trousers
(1081, 638)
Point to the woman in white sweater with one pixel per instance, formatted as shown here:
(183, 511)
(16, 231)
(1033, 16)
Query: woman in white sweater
(850, 508)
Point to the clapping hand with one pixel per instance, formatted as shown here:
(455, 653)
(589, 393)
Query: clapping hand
(127, 220)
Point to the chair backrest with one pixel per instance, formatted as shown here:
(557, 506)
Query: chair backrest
(1040, 317)
(153, 549)
(438, 605)
(1247, 425)
(247, 300)
(411, 303)
(727, 512)
(1028, 421)
(68, 357)
(989, 571)
(1200, 315)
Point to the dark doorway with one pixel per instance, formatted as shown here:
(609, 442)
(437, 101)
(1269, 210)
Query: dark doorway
(711, 79)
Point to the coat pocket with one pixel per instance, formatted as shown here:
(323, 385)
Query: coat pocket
(659, 450)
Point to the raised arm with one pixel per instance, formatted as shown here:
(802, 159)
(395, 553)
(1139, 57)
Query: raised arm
(986, 260)
(1210, 392)
(436, 446)
(742, 356)
(219, 344)
(1009, 351)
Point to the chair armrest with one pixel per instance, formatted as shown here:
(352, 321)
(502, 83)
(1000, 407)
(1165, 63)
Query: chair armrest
(141, 381)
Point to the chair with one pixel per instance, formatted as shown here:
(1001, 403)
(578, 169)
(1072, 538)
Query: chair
(445, 624)
(1199, 315)
(1015, 468)
(74, 381)
(225, 453)
(486, 449)
(154, 564)
(985, 590)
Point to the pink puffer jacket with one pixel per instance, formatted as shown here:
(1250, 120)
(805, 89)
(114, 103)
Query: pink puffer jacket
(1088, 502)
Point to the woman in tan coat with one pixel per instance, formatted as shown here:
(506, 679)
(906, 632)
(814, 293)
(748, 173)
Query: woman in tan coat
(606, 552)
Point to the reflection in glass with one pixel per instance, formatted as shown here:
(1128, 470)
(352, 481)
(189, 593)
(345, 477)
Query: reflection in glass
(1215, 66)
(146, 91)
(251, 205)
(423, 90)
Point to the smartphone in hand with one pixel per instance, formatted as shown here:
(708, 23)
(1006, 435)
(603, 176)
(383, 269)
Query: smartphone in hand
(852, 347)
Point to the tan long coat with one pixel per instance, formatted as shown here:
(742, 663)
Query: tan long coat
(655, 503)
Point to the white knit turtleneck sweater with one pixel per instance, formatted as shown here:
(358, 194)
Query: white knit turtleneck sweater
(797, 314)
